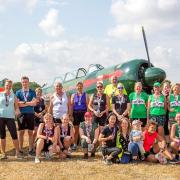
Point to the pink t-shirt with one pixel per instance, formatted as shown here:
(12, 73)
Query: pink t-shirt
(149, 140)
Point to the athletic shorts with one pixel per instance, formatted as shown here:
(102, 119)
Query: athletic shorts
(101, 121)
(26, 121)
(160, 120)
(78, 117)
(143, 120)
(10, 123)
(37, 122)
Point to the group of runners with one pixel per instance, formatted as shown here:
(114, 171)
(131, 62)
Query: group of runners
(124, 128)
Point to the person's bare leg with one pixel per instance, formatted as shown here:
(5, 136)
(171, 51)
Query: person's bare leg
(21, 139)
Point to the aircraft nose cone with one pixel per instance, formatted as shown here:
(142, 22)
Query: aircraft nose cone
(154, 74)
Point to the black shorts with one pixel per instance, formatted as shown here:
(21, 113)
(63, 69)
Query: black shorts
(26, 121)
(37, 122)
(151, 151)
(57, 120)
(78, 117)
(143, 120)
(47, 144)
(101, 121)
(10, 123)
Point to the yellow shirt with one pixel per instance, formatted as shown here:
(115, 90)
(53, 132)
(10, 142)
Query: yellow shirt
(111, 91)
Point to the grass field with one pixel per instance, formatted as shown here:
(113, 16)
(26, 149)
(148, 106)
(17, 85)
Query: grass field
(77, 168)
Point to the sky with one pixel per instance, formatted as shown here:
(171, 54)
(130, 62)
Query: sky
(43, 39)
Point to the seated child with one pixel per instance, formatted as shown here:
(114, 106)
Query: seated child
(136, 136)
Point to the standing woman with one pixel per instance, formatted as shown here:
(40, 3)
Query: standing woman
(121, 103)
(174, 104)
(8, 109)
(79, 104)
(39, 111)
(59, 103)
(138, 101)
(99, 105)
(166, 87)
(157, 108)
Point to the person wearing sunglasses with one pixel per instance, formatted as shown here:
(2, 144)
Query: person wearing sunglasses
(99, 105)
(121, 103)
(112, 90)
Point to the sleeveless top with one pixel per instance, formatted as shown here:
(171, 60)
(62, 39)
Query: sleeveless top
(7, 109)
(174, 104)
(65, 132)
(80, 102)
(39, 107)
(48, 132)
(59, 105)
(99, 103)
(157, 105)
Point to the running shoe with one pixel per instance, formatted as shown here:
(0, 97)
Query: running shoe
(3, 157)
(108, 162)
(160, 157)
(37, 160)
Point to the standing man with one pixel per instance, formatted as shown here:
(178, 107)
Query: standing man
(26, 101)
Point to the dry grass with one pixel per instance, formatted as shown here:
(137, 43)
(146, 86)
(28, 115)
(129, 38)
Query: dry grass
(77, 168)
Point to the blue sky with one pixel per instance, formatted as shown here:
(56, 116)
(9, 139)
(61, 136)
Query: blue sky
(45, 38)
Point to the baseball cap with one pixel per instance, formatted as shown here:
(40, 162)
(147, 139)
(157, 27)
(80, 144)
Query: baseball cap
(88, 114)
(136, 122)
(120, 86)
(157, 84)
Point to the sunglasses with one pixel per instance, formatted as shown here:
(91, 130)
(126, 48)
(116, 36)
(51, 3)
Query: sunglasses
(120, 88)
(99, 87)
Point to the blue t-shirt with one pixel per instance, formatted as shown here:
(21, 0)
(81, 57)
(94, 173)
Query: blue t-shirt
(26, 96)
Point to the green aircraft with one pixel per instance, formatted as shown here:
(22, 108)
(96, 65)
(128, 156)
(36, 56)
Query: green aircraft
(127, 73)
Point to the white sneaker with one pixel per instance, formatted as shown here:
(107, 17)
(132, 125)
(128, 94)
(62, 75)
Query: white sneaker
(37, 160)
(161, 158)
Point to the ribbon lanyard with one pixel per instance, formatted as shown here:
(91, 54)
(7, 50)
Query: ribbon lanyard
(25, 95)
(64, 131)
(88, 129)
(120, 99)
(176, 100)
(7, 99)
(48, 132)
(99, 102)
(60, 100)
(79, 99)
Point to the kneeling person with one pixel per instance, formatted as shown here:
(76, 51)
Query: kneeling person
(89, 133)
(66, 135)
(47, 136)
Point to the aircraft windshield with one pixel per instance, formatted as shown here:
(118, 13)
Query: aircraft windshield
(81, 72)
(94, 67)
(70, 75)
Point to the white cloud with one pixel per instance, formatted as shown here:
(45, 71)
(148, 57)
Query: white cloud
(50, 24)
(155, 15)
(43, 62)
